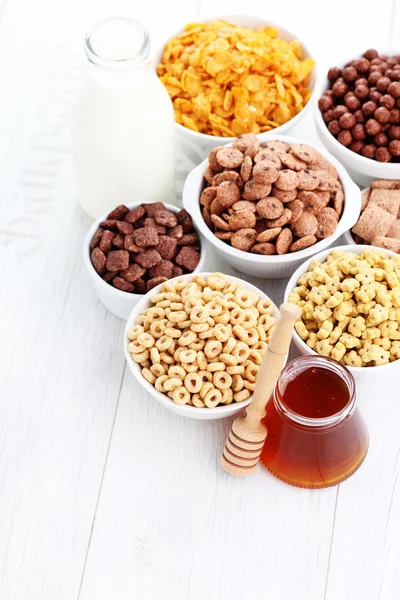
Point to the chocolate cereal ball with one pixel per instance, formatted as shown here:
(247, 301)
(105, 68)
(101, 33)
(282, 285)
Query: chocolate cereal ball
(334, 73)
(356, 147)
(339, 110)
(381, 139)
(351, 101)
(340, 87)
(374, 77)
(345, 137)
(328, 116)
(369, 108)
(334, 127)
(382, 84)
(383, 155)
(394, 89)
(395, 115)
(359, 116)
(361, 91)
(394, 147)
(387, 101)
(325, 102)
(393, 132)
(358, 132)
(382, 115)
(372, 127)
(371, 54)
(349, 74)
(347, 121)
(362, 65)
(368, 150)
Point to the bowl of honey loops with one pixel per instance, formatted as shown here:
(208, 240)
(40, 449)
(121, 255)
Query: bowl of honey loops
(234, 75)
(195, 343)
(350, 300)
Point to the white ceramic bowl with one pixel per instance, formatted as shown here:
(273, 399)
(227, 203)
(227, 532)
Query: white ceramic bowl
(348, 236)
(368, 374)
(209, 141)
(192, 412)
(116, 301)
(271, 266)
(361, 169)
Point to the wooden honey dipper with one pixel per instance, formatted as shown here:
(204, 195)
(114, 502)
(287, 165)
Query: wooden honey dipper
(247, 435)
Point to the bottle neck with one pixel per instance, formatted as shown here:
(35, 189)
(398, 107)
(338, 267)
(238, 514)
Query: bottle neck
(291, 371)
(118, 45)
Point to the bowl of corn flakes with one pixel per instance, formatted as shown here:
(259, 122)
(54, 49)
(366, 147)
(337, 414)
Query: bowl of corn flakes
(234, 75)
(350, 300)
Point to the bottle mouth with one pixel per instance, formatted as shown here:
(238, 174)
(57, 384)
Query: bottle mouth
(297, 366)
(117, 43)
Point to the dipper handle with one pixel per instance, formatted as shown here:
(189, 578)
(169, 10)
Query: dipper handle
(247, 436)
(273, 360)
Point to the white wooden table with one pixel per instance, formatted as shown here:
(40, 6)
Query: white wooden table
(103, 493)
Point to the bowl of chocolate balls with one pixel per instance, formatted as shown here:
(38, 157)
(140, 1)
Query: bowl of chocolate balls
(357, 115)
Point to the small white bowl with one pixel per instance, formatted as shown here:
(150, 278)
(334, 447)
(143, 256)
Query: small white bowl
(361, 169)
(206, 141)
(369, 374)
(274, 266)
(116, 301)
(219, 412)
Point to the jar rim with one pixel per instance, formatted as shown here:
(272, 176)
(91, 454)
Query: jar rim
(298, 365)
(132, 60)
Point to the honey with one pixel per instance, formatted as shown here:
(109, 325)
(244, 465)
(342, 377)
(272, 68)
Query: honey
(316, 435)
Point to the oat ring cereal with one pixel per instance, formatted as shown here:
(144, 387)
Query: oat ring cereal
(186, 354)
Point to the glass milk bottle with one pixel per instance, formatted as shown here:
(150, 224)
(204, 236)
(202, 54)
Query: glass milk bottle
(123, 123)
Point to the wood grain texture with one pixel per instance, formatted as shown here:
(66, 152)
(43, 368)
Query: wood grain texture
(197, 532)
(100, 485)
(56, 409)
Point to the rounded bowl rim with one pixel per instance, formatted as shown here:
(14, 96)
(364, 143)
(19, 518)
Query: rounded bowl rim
(357, 249)
(185, 410)
(92, 271)
(212, 140)
(349, 187)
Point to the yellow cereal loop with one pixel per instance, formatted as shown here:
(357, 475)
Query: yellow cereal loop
(180, 396)
(242, 395)
(212, 398)
(135, 331)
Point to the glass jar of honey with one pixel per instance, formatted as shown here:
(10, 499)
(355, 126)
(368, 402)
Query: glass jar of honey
(316, 435)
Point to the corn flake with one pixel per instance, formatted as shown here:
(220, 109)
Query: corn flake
(225, 79)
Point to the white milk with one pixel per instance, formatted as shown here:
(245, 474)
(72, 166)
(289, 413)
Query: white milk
(123, 123)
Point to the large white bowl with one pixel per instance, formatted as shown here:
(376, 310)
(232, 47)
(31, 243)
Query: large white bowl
(209, 141)
(369, 374)
(277, 265)
(219, 412)
(116, 301)
(361, 169)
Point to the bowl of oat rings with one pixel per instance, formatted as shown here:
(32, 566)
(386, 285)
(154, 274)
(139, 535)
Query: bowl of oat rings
(266, 207)
(195, 343)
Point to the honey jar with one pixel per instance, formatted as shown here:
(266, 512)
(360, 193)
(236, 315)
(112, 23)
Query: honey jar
(316, 434)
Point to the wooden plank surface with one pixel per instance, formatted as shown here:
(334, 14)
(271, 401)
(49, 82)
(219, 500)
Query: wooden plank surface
(104, 494)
